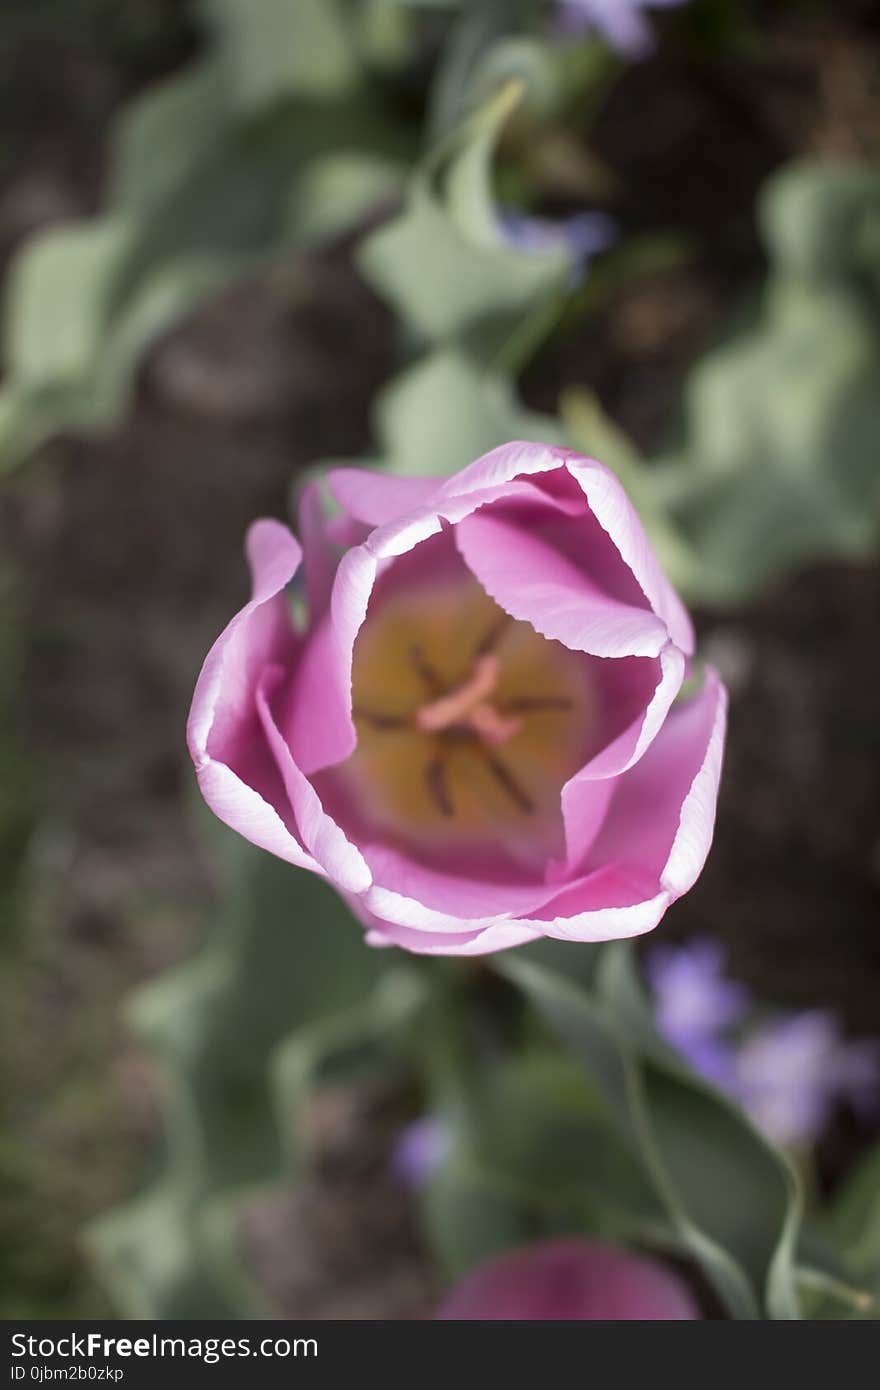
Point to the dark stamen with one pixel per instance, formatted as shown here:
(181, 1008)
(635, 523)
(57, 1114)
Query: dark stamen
(435, 779)
(490, 640)
(383, 721)
(506, 779)
(535, 704)
(423, 668)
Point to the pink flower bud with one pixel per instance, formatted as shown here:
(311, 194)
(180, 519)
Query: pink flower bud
(570, 1280)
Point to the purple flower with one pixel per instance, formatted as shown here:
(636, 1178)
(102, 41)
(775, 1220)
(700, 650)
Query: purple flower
(566, 1281)
(420, 1149)
(580, 236)
(788, 1073)
(695, 1001)
(475, 736)
(695, 1005)
(791, 1072)
(620, 22)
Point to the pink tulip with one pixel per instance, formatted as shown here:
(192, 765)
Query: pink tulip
(570, 1281)
(474, 738)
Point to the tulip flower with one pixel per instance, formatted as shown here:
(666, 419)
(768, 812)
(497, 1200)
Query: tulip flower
(477, 736)
(567, 1281)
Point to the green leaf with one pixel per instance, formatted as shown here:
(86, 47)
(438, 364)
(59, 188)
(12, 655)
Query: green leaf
(162, 137)
(336, 191)
(731, 1198)
(820, 221)
(272, 50)
(365, 1035)
(854, 1222)
(778, 466)
(201, 193)
(288, 957)
(446, 411)
(468, 288)
(532, 1155)
(467, 1217)
(473, 39)
(467, 177)
(830, 1285)
(59, 291)
(477, 288)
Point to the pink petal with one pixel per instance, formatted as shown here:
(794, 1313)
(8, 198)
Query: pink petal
(586, 796)
(607, 905)
(377, 498)
(317, 722)
(259, 816)
(532, 581)
(501, 937)
(657, 831)
(485, 479)
(650, 850)
(339, 859)
(503, 464)
(448, 506)
(700, 723)
(415, 895)
(225, 740)
(612, 508)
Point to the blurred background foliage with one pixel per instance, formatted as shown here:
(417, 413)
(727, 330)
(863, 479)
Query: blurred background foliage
(240, 239)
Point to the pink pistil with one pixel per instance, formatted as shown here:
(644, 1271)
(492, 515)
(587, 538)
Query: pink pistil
(469, 707)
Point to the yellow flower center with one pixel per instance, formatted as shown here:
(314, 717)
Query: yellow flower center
(468, 722)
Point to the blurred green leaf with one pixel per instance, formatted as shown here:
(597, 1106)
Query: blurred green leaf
(532, 1154)
(853, 1224)
(272, 50)
(162, 136)
(445, 411)
(779, 464)
(831, 1286)
(731, 1198)
(58, 297)
(203, 189)
(335, 191)
(821, 221)
(468, 1217)
(444, 263)
(474, 36)
(373, 1031)
(287, 957)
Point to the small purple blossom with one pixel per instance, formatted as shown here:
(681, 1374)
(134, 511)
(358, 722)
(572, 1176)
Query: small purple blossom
(788, 1073)
(420, 1149)
(695, 1005)
(694, 999)
(620, 22)
(580, 236)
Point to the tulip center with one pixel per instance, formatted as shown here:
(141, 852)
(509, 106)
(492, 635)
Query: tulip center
(468, 708)
(469, 723)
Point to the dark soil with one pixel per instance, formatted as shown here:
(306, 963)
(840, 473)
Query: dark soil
(129, 550)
